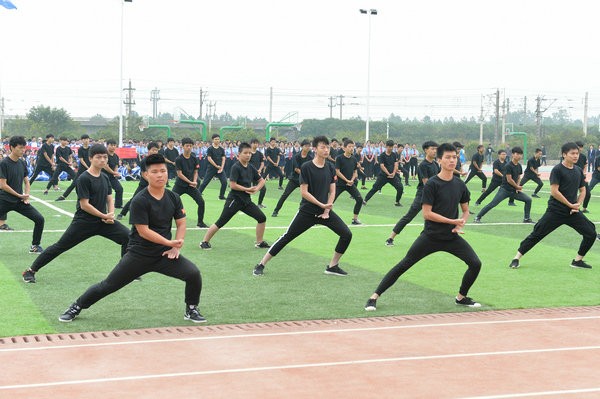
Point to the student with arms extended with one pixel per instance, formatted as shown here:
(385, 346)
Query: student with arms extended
(215, 155)
(84, 159)
(299, 159)
(442, 195)
(388, 164)
(151, 247)
(187, 174)
(532, 172)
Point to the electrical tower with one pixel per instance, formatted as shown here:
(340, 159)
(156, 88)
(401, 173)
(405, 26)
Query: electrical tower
(129, 101)
(154, 97)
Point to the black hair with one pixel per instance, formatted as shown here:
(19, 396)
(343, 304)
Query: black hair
(85, 136)
(319, 139)
(579, 143)
(170, 139)
(445, 147)
(500, 152)
(97, 149)
(186, 140)
(63, 138)
(17, 140)
(457, 144)
(254, 140)
(215, 135)
(243, 146)
(332, 140)
(517, 150)
(111, 141)
(348, 141)
(479, 146)
(49, 135)
(152, 144)
(568, 147)
(428, 144)
(272, 139)
(389, 143)
(154, 159)
(538, 150)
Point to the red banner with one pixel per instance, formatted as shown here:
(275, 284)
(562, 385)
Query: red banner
(126, 152)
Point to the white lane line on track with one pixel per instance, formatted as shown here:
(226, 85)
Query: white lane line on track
(532, 394)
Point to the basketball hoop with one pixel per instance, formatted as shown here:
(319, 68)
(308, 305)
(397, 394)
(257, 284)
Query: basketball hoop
(142, 127)
(176, 115)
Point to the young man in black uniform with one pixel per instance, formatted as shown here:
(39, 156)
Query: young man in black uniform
(582, 163)
(111, 170)
(241, 177)
(595, 174)
(257, 159)
(94, 216)
(171, 155)
(152, 149)
(272, 155)
(299, 159)
(64, 161)
(426, 170)
(510, 188)
(402, 164)
(317, 185)
(187, 174)
(361, 170)
(346, 169)
(84, 159)
(458, 172)
(388, 162)
(151, 247)
(45, 162)
(13, 174)
(215, 155)
(441, 197)
(532, 173)
(498, 168)
(475, 168)
(567, 187)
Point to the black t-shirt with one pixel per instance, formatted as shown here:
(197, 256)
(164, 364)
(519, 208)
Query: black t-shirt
(532, 163)
(113, 161)
(272, 153)
(511, 170)
(216, 154)
(244, 176)
(65, 153)
(83, 153)
(256, 159)
(143, 182)
(335, 152)
(426, 170)
(347, 166)
(581, 161)
(96, 190)
(569, 182)
(477, 157)
(596, 173)
(46, 149)
(388, 161)
(318, 180)
(298, 161)
(14, 173)
(444, 198)
(158, 215)
(501, 166)
(171, 155)
(187, 166)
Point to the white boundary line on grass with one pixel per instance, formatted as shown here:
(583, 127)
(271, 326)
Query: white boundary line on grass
(51, 206)
(299, 366)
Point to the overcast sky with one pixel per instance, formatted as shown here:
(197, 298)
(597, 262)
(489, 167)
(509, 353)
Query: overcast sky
(433, 58)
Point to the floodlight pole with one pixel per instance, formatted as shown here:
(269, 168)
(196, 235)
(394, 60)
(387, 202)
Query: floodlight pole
(370, 12)
(120, 143)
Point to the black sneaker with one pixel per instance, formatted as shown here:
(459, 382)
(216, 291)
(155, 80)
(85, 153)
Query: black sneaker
(528, 220)
(335, 270)
(379, 192)
(222, 199)
(191, 313)
(45, 192)
(36, 249)
(466, 301)
(70, 313)
(6, 227)
(57, 189)
(512, 204)
(261, 206)
(478, 220)
(471, 213)
(477, 204)
(137, 279)
(280, 188)
(598, 237)
(61, 198)
(364, 203)
(514, 264)
(205, 245)
(29, 276)
(371, 305)
(584, 211)
(406, 185)
(356, 222)
(399, 205)
(389, 242)
(119, 216)
(580, 264)
(535, 196)
(274, 215)
(262, 244)
(258, 270)
(363, 188)
(202, 225)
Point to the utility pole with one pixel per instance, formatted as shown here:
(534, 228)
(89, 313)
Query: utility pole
(525, 111)
(1, 117)
(507, 110)
(129, 102)
(497, 116)
(154, 97)
(538, 118)
(504, 117)
(585, 108)
(271, 107)
(481, 123)
(202, 98)
(341, 105)
(331, 105)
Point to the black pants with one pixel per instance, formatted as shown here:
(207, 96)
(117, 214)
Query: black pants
(210, 173)
(534, 179)
(474, 172)
(353, 192)
(588, 195)
(233, 206)
(134, 265)
(382, 181)
(291, 186)
(494, 184)
(79, 231)
(261, 193)
(404, 172)
(413, 164)
(544, 160)
(73, 183)
(272, 168)
(118, 189)
(30, 213)
(413, 211)
(424, 246)
(551, 221)
(38, 169)
(503, 194)
(362, 178)
(196, 196)
(125, 209)
(59, 169)
(304, 221)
